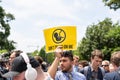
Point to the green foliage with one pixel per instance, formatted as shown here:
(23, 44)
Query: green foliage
(76, 52)
(113, 4)
(3, 51)
(35, 53)
(104, 36)
(5, 18)
(42, 53)
(48, 57)
(113, 36)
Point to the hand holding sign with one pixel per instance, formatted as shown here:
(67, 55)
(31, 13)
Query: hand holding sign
(58, 51)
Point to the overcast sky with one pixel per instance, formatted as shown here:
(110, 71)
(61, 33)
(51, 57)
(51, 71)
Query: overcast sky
(33, 16)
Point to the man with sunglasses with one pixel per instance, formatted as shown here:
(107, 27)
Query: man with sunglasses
(105, 65)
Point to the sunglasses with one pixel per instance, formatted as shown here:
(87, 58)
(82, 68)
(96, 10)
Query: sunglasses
(105, 65)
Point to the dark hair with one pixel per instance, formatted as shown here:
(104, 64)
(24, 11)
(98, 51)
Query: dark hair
(68, 54)
(97, 53)
(84, 63)
(115, 58)
(39, 59)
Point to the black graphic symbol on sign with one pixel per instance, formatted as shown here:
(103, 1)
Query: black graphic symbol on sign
(58, 36)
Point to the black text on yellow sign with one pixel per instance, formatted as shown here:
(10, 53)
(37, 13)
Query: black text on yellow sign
(62, 35)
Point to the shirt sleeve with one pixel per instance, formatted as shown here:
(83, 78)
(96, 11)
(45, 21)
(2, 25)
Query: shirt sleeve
(82, 76)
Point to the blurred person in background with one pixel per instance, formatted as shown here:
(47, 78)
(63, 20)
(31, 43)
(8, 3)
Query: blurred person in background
(13, 55)
(42, 63)
(105, 65)
(82, 64)
(19, 67)
(111, 68)
(115, 61)
(76, 63)
(3, 69)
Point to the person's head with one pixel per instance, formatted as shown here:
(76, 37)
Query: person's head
(42, 63)
(14, 54)
(66, 61)
(76, 59)
(83, 63)
(115, 59)
(105, 65)
(19, 67)
(96, 58)
(39, 59)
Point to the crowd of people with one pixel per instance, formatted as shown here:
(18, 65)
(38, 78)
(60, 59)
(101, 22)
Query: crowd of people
(66, 66)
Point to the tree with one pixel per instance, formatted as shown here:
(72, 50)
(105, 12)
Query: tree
(48, 57)
(113, 4)
(113, 37)
(42, 53)
(5, 18)
(102, 36)
(35, 53)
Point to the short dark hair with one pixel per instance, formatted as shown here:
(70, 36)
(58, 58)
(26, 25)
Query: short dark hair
(68, 54)
(84, 63)
(115, 58)
(39, 59)
(97, 53)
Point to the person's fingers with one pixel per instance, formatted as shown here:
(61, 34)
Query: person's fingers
(58, 51)
(59, 47)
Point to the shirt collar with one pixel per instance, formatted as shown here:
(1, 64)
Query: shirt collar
(93, 69)
(72, 72)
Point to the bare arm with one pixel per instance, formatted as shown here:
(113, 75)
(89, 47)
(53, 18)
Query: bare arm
(53, 68)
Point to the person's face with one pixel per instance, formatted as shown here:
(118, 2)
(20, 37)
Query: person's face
(66, 64)
(96, 61)
(20, 76)
(76, 60)
(12, 56)
(80, 66)
(105, 65)
(111, 68)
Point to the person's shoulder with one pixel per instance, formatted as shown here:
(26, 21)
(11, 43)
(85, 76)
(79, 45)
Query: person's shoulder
(77, 73)
(102, 70)
(59, 73)
(110, 75)
(85, 68)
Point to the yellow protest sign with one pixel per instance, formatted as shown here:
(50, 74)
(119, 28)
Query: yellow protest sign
(62, 35)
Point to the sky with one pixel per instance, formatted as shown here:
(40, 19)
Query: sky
(33, 16)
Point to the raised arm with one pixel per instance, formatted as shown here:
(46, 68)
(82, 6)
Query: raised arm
(53, 68)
